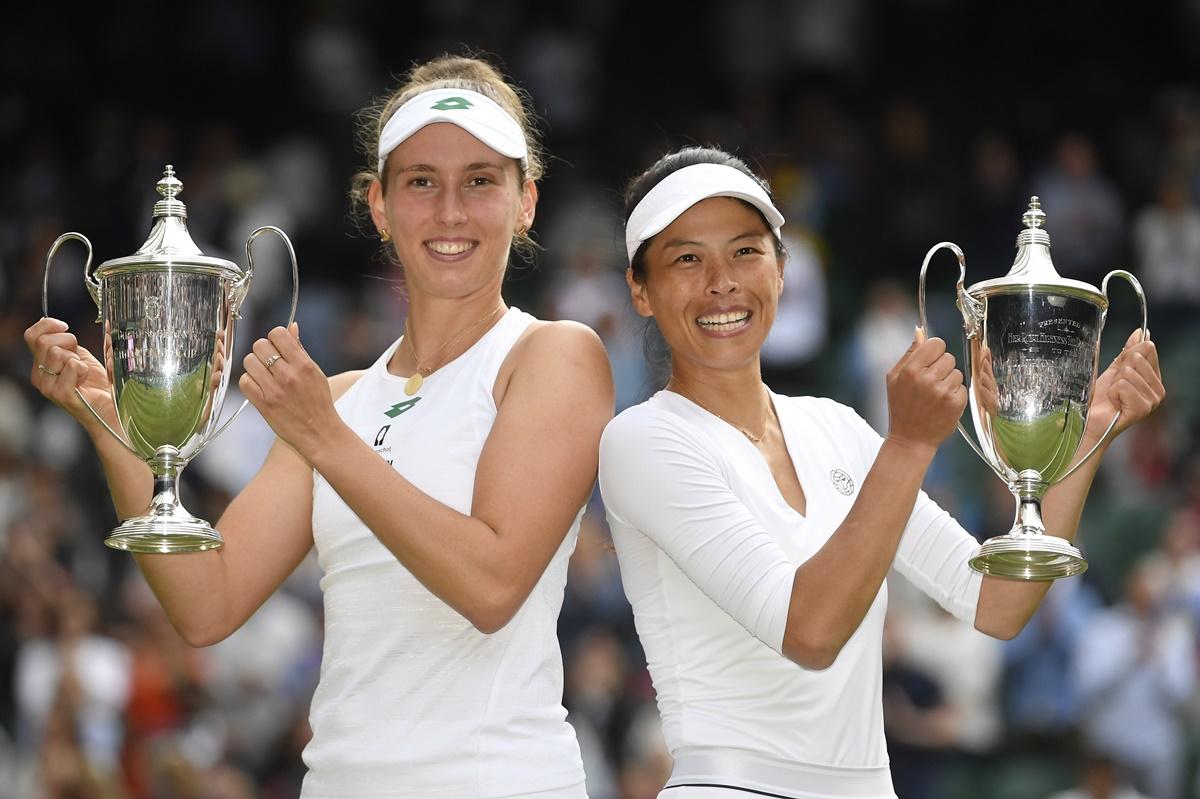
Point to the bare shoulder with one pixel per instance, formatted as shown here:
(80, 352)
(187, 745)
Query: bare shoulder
(564, 354)
(557, 339)
(339, 384)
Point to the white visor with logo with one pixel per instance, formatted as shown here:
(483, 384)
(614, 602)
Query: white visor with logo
(477, 114)
(683, 188)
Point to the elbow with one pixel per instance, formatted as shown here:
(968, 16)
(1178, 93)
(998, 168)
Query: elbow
(489, 623)
(1003, 631)
(811, 651)
(491, 612)
(1002, 626)
(200, 632)
(198, 636)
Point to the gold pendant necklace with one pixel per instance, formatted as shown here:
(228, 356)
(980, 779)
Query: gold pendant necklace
(413, 384)
(753, 438)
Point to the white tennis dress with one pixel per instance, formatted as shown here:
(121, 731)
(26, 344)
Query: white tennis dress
(413, 701)
(708, 549)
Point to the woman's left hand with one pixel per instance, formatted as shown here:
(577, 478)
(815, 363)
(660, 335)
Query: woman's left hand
(1132, 385)
(289, 389)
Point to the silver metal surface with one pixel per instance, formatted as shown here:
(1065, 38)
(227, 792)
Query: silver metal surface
(1032, 355)
(168, 314)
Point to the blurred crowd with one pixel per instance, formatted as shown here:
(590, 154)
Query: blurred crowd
(883, 128)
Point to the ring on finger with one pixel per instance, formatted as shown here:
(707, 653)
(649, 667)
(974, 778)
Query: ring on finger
(43, 368)
(269, 362)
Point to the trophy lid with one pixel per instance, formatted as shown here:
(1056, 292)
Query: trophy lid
(1032, 269)
(169, 245)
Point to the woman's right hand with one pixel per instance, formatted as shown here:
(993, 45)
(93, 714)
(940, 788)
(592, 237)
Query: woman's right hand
(60, 365)
(926, 395)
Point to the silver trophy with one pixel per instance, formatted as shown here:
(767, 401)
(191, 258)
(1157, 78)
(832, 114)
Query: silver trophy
(168, 314)
(1032, 352)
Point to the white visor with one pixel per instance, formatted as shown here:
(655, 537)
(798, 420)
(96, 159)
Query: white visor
(477, 114)
(682, 189)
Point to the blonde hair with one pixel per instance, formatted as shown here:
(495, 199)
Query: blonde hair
(448, 72)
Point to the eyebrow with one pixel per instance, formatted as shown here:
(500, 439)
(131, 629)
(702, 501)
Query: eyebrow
(688, 242)
(469, 168)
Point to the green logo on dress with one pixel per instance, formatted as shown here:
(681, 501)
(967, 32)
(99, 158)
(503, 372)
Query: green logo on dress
(401, 407)
(452, 104)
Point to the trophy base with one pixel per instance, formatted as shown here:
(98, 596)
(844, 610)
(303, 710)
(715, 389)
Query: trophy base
(1035, 558)
(159, 534)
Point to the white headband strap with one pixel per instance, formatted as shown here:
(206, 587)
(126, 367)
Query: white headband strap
(682, 189)
(477, 114)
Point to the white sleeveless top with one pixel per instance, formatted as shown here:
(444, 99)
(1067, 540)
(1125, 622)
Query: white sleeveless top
(413, 700)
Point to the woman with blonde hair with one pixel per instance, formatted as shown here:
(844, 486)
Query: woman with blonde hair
(442, 486)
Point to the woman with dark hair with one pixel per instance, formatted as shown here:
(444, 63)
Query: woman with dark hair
(754, 531)
(442, 487)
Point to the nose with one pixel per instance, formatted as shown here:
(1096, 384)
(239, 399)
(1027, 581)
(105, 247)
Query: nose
(721, 279)
(450, 208)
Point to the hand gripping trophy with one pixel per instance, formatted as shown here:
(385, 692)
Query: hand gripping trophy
(168, 314)
(1032, 350)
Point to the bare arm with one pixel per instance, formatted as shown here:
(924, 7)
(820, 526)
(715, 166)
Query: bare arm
(1132, 384)
(834, 589)
(537, 469)
(267, 528)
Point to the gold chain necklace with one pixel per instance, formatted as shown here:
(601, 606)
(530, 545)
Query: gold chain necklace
(413, 384)
(753, 438)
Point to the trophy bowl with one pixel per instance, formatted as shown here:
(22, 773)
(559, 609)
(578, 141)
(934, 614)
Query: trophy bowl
(168, 314)
(1032, 343)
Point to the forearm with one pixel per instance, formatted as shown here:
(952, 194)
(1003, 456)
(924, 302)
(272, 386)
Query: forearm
(458, 557)
(1006, 606)
(130, 481)
(835, 588)
(185, 584)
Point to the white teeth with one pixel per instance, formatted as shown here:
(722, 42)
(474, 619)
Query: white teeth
(449, 247)
(723, 321)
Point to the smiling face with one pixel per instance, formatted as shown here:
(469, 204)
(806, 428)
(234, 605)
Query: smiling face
(452, 205)
(712, 281)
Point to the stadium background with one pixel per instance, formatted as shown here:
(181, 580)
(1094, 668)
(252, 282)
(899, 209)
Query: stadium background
(885, 127)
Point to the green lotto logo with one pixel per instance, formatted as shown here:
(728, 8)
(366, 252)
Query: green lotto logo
(452, 104)
(401, 407)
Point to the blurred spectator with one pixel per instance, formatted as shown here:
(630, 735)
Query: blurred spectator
(994, 204)
(920, 726)
(881, 334)
(1166, 238)
(1102, 778)
(801, 320)
(1180, 554)
(73, 689)
(1084, 214)
(1136, 670)
(167, 691)
(1041, 695)
(915, 197)
(966, 664)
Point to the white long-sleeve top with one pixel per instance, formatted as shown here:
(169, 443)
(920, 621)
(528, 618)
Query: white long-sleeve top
(708, 550)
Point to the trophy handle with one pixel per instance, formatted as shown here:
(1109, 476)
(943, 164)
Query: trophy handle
(240, 289)
(93, 287)
(971, 310)
(1141, 295)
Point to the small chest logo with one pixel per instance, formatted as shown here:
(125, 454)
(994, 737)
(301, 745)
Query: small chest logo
(401, 407)
(843, 482)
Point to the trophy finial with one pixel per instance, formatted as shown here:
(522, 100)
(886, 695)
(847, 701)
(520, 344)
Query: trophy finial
(170, 185)
(1035, 217)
